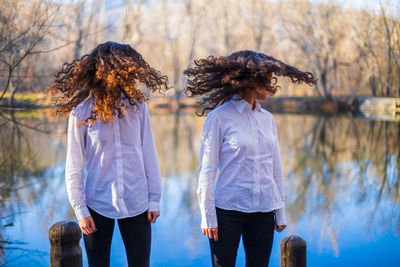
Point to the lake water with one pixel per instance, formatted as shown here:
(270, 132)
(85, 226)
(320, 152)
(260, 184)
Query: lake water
(342, 190)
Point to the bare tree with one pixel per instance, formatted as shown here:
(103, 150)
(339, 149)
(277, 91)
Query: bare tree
(378, 46)
(319, 32)
(391, 31)
(132, 27)
(259, 22)
(23, 26)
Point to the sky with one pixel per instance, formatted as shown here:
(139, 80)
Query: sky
(365, 4)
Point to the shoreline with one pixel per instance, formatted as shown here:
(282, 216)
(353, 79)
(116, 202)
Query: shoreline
(369, 107)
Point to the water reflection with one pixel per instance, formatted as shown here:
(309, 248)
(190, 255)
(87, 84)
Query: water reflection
(342, 178)
(327, 152)
(337, 162)
(28, 150)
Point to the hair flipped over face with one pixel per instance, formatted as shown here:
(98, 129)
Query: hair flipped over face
(110, 71)
(218, 79)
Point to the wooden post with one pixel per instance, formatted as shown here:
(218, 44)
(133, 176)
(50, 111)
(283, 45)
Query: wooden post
(65, 250)
(293, 252)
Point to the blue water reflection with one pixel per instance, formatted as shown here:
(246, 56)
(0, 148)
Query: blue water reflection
(342, 190)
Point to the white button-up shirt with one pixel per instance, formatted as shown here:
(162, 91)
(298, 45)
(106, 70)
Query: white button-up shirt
(123, 175)
(242, 144)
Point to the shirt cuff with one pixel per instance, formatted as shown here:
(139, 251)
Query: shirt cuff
(154, 206)
(209, 218)
(280, 216)
(81, 213)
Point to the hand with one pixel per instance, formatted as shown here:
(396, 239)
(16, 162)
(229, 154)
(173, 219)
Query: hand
(279, 228)
(211, 233)
(87, 225)
(152, 216)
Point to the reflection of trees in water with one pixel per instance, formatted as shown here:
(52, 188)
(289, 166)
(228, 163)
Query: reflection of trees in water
(333, 157)
(177, 137)
(2, 252)
(15, 253)
(388, 169)
(27, 151)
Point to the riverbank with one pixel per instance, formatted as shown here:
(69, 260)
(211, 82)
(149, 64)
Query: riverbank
(312, 105)
(380, 108)
(24, 101)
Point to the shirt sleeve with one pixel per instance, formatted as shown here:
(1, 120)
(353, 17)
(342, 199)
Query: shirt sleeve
(209, 157)
(150, 160)
(74, 167)
(280, 214)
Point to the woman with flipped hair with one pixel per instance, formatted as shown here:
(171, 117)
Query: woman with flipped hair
(240, 140)
(109, 129)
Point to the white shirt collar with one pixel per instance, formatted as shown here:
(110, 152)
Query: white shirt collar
(241, 104)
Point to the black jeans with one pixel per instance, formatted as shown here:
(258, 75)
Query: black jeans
(136, 234)
(257, 230)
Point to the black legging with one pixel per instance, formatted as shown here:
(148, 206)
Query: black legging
(136, 234)
(257, 230)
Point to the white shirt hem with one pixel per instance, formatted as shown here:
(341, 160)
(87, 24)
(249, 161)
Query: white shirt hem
(278, 206)
(119, 217)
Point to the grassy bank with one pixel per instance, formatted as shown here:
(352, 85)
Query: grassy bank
(28, 100)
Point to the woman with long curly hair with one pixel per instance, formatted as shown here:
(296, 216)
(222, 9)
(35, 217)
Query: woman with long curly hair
(109, 129)
(240, 140)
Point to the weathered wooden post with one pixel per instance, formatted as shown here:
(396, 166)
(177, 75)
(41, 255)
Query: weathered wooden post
(293, 252)
(65, 250)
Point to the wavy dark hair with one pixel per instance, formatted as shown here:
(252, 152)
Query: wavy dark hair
(218, 79)
(110, 71)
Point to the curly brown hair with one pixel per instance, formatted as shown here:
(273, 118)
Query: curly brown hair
(218, 79)
(109, 72)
